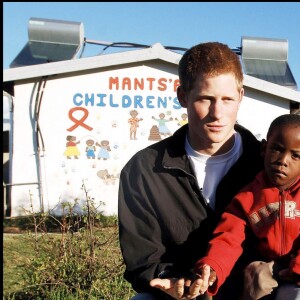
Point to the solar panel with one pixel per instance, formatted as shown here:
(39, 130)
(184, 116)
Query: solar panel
(266, 59)
(50, 41)
(274, 71)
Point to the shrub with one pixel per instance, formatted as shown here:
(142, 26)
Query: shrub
(82, 261)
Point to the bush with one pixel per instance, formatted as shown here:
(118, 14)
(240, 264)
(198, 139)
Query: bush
(82, 261)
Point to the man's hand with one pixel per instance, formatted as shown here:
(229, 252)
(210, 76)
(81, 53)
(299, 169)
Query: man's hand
(186, 288)
(172, 286)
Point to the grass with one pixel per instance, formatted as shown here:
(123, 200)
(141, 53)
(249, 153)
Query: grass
(19, 250)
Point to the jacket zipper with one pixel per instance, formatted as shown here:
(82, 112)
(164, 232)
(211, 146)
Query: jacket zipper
(195, 183)
(282, 220)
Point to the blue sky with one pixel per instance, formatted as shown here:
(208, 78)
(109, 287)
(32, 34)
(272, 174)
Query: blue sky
(181, 24)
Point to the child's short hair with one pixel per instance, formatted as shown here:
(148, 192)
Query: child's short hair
(287, 119)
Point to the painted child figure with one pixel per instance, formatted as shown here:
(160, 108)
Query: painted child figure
(270, 207)
(134, 123)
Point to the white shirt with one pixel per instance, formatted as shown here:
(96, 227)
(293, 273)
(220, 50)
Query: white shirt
(210, 170)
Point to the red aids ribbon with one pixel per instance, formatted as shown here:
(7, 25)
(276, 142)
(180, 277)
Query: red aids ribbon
(81, 121)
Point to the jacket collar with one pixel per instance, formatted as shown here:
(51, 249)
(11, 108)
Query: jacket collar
(262, 178)
(176, 157)
(175, 154)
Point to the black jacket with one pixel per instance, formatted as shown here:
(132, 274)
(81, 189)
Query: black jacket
(164, 221)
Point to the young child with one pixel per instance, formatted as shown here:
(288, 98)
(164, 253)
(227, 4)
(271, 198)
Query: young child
(270, 206)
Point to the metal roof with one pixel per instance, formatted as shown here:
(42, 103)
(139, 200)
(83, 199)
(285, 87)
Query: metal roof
(155, 52)
(53, 41)
(57, 40)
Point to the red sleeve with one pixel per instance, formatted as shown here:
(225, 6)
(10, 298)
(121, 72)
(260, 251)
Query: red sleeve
(226, 246)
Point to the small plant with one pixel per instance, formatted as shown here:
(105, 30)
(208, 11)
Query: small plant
(83, 261)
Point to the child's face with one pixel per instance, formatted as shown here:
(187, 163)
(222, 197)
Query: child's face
(282, 156)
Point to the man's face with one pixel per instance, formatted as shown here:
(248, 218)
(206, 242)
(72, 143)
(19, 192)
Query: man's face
(212, 107)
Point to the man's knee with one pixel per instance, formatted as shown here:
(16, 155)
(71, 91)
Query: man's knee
(288, 291)
(147, 296)
(143, 296)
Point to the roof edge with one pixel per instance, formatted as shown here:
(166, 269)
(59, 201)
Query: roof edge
(271, 88)
(157, 51)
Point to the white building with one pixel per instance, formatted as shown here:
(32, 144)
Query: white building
(69, 121)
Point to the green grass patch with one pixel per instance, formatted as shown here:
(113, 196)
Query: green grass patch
(86, 264)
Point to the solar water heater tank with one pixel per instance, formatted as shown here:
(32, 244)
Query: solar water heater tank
(50, 41)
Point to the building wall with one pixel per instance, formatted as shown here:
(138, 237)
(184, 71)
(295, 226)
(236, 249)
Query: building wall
(89, 110)
(259, 109)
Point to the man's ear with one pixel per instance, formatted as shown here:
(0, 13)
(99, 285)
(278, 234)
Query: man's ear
(181, 96)
(263, 147)
(242, 91)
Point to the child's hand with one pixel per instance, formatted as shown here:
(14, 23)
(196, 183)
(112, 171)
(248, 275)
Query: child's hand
(205, 277)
